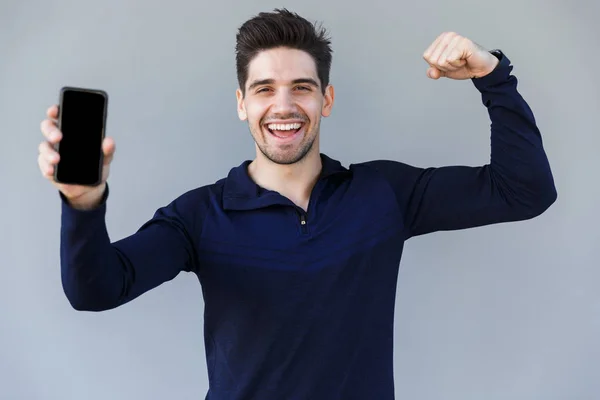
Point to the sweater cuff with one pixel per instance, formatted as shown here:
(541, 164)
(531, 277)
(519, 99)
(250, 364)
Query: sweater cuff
(500, 74)
(69, 210)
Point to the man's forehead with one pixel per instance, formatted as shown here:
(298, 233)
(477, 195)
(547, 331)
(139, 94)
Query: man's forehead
(282, 65)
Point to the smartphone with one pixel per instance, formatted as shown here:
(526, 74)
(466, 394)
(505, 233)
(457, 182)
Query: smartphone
(82, 120)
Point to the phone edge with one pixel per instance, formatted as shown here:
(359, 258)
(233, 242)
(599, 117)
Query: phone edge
(103, 134)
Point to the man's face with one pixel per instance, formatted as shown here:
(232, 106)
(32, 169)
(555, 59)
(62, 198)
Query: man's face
(283, 104)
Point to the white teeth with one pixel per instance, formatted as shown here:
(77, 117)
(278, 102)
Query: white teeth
(283, 127)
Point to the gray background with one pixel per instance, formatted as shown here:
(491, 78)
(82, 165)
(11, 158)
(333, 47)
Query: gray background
(509, 311)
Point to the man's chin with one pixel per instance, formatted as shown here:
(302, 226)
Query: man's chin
(286, 157)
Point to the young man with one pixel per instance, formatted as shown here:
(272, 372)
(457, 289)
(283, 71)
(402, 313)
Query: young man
(297, 255)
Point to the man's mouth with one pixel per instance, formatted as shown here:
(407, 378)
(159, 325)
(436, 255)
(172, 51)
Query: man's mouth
(285, 131)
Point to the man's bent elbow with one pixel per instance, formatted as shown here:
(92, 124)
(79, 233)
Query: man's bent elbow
(544, 196)
(83, 298)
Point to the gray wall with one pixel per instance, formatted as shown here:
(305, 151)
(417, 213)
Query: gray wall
(503, 312)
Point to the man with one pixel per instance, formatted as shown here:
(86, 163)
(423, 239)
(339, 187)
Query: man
(297, 255)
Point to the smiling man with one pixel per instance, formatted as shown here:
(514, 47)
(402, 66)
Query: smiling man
(283, 98)
(296, 254)
(284, 103)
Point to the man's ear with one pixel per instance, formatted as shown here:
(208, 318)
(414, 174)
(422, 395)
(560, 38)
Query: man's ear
(328, 102)
(241, 108)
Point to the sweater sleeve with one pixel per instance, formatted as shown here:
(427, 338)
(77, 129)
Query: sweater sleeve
(99, 275)
(517, 184)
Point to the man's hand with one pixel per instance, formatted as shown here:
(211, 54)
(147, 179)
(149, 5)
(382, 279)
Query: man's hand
(81, 197)
(456, 57)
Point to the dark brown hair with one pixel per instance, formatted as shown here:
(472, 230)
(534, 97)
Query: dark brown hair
(282, 28)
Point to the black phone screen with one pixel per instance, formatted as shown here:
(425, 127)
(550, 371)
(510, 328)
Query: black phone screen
(82, 118)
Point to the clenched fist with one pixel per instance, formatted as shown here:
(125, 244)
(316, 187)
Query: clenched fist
(456, 57)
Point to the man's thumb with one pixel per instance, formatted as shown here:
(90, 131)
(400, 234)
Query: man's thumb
(434, 73)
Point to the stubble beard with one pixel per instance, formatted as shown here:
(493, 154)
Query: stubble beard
(284, 157)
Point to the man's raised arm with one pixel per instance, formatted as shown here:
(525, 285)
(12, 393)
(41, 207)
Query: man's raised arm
(516, 185)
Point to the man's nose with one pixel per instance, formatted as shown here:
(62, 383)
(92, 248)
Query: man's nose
(283, 102)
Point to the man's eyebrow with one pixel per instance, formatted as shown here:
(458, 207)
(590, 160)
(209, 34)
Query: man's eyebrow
(260, 82)
(310, 81)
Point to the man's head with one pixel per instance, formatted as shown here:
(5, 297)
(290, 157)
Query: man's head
(283, 64)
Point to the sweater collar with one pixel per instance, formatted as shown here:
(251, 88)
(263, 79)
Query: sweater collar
(240, 192)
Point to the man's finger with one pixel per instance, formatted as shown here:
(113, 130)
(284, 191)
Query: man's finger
(450, 53)
(440, 48)
(46, 168)
(456, 62)
(435, 73)
(52, 112)
(48, 153)
(108, 148)
(50, 131)
(431, 48)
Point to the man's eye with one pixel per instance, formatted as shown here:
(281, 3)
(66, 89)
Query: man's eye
(302, 88)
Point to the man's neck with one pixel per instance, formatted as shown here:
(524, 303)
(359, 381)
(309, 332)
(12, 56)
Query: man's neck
(294, 181)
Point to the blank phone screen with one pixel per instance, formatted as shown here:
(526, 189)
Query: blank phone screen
(82, 118)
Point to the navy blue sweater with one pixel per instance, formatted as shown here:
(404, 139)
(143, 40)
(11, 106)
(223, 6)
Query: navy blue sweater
(300, 305)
